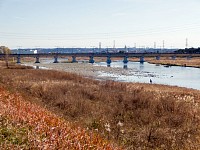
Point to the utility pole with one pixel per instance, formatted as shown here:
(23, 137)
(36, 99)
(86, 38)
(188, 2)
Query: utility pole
(99, 45)
(125, 48)
(114, 45)
(186, 43)
(154, 45)
(163, 44)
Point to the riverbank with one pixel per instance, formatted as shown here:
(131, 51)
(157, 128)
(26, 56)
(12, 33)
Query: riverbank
(133, 72)
(85, 69)
(193, 62)
(133, 115)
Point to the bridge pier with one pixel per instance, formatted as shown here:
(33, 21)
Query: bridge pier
(18, 59)
(125, 59)
(173, 57)
(74, 59)
(55, 59)
(108, 60)
(157, 57)
(37, 59)
(91, 60)
(142, 59)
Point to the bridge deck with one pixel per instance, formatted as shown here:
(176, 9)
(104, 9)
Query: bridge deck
(104, 55)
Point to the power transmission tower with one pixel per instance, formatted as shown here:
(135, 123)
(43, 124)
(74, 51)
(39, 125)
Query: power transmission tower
(154, 45)
(163, 44)
(114, 45)
(186, 43)
(99, 45)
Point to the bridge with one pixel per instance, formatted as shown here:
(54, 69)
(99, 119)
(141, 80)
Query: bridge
(91, 56)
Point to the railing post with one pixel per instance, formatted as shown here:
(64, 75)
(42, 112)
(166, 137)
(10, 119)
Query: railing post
(91, 60)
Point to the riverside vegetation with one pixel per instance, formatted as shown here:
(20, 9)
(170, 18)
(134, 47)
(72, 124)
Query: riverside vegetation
(192, 62)
(27, 125)
(132, 115)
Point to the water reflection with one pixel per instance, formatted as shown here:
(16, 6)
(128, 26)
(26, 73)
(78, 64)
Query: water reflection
(125, 66)
(141, 66)
(108, 65)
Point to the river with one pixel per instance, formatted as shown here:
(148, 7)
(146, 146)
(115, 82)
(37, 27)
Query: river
(169, 75)
(188, 77)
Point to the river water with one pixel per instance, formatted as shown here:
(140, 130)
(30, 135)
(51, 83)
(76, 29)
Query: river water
(142, 72)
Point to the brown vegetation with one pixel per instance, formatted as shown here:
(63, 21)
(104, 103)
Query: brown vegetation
(193, 62)
(27, 126)
(141, 116)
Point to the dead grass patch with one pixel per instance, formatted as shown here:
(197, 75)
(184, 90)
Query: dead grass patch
(141, 116)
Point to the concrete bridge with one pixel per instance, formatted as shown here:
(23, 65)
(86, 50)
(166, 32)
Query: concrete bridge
(91, 56)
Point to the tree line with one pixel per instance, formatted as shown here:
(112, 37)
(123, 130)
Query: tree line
(189, 50)
(5, 50)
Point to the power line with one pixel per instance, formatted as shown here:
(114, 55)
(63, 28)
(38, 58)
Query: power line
(150, 30)
(186, 43)
(92, 35)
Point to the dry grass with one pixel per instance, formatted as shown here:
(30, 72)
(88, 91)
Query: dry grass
(27, 126)
(133, 115)
(13, 65)
(193, 62)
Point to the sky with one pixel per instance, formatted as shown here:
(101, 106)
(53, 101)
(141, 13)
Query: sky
(85, 23)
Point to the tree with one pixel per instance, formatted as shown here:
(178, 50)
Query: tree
(6, 51)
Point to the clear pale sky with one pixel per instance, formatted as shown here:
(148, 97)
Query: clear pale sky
(85, 23)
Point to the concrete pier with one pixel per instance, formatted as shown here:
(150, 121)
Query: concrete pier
(55, 59)
(108, 60)
(18, 59)
(37, 59)
(125, 59)
(91, 60)
(142, 59)
(74, 59)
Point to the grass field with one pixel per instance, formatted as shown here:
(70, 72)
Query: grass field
(131, 115)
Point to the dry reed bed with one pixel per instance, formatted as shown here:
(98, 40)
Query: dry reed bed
(28, 126)
(193, 62)
(134, 115)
